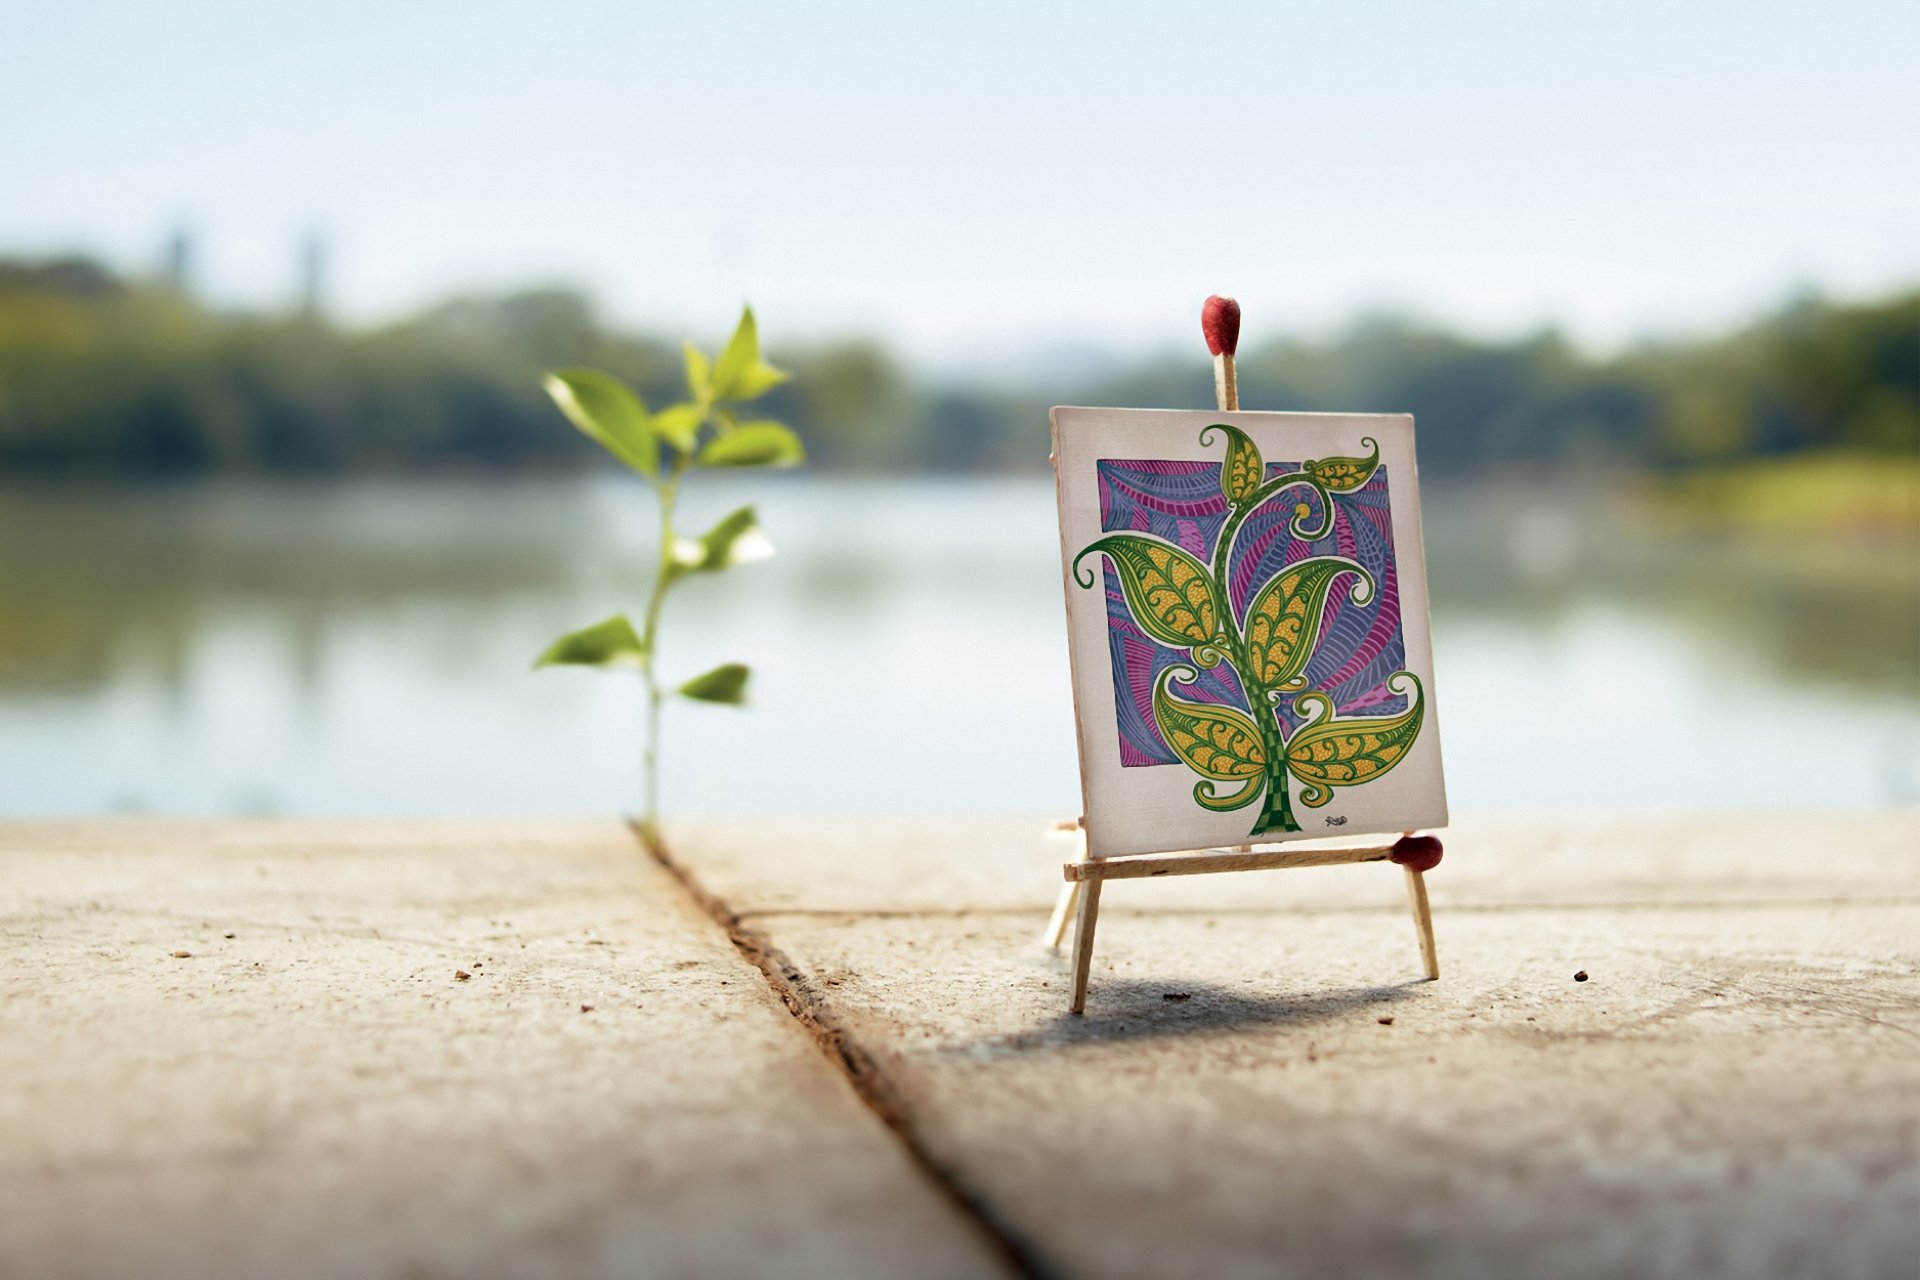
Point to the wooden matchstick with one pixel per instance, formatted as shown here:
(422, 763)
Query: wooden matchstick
(1083, 943)
(1220, 323)
(1063, 906)
(1423, 922)
(1062, 912)
(1200, 864)
(1419, 855)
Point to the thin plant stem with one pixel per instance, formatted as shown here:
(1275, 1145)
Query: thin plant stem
(669, 491)
(650, 822)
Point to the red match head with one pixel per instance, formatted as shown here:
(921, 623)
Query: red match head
(1422, 853)
(1220, 322)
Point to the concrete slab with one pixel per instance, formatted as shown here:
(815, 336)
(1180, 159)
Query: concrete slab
(310, 1088)
(1733, 1091)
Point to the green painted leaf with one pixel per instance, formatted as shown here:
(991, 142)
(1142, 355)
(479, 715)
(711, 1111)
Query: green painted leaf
(612, 643)
(1215, 740)
(1328, 752)
(725, 684)
(1167, 590)
(1242, 471)
(1208, 795)
(740, 373)
(699, 374)
(1284, 618)
(1344, 475)
(679, 425)
(607, 411)
(754, 444)
(1220, 743)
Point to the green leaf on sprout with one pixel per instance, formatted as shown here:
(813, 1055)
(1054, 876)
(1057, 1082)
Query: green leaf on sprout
(679, 424)
(684, 557)
(612, 643)
(740, 373)
(726, 684)
(699, 374)
(607, 412)
(737, 539)
(754, 444)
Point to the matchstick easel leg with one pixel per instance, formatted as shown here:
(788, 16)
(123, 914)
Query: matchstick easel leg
(1083, 943)
(1422, 920)
(1062, 912)
(1070, 891)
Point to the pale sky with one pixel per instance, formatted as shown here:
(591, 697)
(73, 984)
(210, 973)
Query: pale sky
(972, 179)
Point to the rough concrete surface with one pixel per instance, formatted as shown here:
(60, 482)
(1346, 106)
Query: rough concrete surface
(314, 1091)
(1261, 1085)
(1734, 1091)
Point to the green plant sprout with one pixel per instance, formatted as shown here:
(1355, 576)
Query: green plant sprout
(703, 431)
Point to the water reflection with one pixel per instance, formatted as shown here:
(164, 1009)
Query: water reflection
(365, 647)
(1845, 613)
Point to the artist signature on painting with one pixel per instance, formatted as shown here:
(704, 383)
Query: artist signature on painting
(1337, 822)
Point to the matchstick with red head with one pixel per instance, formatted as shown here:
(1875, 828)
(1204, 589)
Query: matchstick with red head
(1220, 322)
(1220, 325)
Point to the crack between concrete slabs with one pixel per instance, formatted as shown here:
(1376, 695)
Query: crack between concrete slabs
(861, 1070)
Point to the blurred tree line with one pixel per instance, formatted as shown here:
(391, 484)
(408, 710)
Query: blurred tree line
(106, 377)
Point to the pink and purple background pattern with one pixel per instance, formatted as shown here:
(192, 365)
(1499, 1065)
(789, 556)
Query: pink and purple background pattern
(1360, 646)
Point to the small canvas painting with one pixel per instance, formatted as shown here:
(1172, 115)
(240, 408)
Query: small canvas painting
(1247, 619)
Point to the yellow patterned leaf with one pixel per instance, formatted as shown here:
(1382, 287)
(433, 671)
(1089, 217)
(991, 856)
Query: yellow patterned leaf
(1218, 742)
(1344, 475)
(1167, 590)
(1243, 470)
(1331, 752)
(1284, 619)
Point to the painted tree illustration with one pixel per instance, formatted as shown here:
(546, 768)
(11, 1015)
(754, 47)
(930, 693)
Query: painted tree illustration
(1181, 603)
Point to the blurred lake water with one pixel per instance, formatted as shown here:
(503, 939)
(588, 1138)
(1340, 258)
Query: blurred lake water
(364, 648)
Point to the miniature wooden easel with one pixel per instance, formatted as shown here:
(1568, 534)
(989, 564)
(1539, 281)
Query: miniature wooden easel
(1080, 896)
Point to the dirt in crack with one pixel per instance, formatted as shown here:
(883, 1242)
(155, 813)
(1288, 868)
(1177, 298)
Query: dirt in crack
(788, 981)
